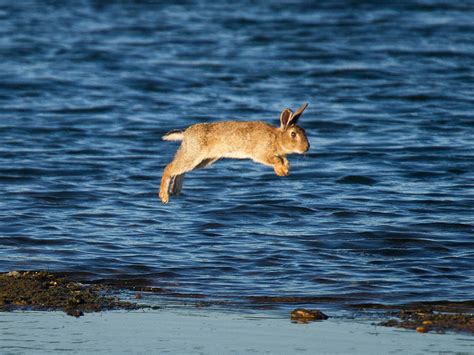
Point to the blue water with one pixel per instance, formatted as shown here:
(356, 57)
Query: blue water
(380, 209)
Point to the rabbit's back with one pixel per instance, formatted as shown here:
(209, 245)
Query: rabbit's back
(230, 139)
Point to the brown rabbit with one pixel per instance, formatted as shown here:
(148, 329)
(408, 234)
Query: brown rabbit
(204, 143)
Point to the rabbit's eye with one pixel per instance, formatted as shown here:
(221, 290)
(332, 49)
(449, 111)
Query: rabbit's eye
(293, 134)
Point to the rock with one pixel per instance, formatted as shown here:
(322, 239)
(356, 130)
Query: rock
(302, 315)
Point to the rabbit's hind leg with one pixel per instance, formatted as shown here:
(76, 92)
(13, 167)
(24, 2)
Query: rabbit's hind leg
(181, 164)
(177, 181)
(169, 174)
(177, 184)
(165, 183)
(205, 163)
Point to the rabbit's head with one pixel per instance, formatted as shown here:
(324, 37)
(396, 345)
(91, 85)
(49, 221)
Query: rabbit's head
(293, 137)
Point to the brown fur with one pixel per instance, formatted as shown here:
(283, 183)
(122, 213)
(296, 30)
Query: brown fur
(204, 143)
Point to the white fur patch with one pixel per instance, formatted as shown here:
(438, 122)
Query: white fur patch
(237, 155)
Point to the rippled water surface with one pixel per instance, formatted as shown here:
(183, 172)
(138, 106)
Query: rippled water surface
(380, 209)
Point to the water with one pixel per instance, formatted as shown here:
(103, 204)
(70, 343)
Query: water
(210, 332)
(380, 209)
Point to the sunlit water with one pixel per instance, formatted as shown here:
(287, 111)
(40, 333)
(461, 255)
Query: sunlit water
(380, 209)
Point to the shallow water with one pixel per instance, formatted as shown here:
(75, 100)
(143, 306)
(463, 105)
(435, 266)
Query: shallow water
(380, 209)
(205, 332)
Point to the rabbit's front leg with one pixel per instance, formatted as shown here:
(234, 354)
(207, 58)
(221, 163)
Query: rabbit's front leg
(280, 165)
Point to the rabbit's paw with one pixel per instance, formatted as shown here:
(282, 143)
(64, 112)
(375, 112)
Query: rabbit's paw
(281, 170)
(164, 197)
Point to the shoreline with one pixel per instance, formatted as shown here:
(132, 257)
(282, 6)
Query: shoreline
(44, 291)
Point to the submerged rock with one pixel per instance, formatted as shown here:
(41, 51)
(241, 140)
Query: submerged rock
(301, 315)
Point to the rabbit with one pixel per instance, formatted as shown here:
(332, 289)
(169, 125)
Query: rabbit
(204, 143)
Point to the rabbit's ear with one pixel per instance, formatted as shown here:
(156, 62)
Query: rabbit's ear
(285, 117)
(294, 118)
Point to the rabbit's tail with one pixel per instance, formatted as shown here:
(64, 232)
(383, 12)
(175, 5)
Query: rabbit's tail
(175, 135)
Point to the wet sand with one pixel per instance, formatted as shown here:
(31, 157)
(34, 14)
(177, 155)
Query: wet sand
(199, 331)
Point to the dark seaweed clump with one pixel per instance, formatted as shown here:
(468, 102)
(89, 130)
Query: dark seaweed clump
(437, 316)
(40, 290)
(426, 320)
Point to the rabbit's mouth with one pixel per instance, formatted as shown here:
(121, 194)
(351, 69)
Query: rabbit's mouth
(305, 149)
